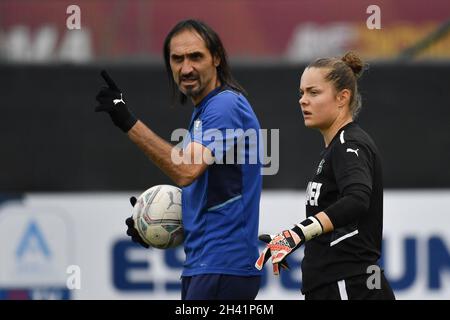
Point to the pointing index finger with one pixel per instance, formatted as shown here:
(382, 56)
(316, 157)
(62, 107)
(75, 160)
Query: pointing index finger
(109, 81)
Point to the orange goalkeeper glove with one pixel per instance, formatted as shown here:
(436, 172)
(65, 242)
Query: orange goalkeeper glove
(278, 247)
(281, 245)
(266, 254)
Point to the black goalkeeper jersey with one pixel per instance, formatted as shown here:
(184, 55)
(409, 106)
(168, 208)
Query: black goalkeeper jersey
(350, 159)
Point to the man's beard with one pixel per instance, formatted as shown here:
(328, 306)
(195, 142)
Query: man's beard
(192, 92)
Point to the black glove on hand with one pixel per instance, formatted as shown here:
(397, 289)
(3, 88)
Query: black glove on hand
(110, 99)
(131, 231)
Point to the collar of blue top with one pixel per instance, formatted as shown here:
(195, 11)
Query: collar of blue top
(210, 95)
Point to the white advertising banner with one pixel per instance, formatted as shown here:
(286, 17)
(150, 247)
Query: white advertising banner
(74, 246)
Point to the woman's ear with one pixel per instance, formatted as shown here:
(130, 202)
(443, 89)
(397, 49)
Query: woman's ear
(343, 97)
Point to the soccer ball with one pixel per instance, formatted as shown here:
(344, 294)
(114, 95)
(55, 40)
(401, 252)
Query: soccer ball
(157, 217)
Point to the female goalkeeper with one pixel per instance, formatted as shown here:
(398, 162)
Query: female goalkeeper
(344, 200)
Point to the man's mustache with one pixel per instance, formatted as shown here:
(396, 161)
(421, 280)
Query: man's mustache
(189, 76)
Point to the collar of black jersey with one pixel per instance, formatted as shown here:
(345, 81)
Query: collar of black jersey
(348, 125)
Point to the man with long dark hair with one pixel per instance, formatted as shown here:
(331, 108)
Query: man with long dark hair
(220, 194)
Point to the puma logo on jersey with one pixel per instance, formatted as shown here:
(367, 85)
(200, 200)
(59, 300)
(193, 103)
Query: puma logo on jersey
(313, 193)
(116, 101)
(352, 150)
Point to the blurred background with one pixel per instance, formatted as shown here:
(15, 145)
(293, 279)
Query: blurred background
(67, 172)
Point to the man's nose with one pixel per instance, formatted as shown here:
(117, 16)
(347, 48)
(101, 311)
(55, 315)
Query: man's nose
(186, 67)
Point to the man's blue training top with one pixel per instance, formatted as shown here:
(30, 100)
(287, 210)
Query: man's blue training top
(221, 207)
